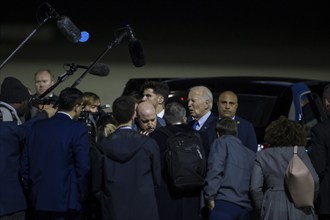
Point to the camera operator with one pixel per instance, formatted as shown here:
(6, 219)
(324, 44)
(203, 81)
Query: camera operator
(90, 114)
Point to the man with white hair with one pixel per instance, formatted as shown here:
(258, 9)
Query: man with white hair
(200, 101)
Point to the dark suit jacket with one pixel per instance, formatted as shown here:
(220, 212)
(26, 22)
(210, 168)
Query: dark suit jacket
(246, 133)
(56, 164)
(161, 121)
(12, 138)
(320, 155)
(12, 197)
(207, 132)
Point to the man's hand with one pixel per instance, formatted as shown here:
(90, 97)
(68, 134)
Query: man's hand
(210, 204)
(50, 110)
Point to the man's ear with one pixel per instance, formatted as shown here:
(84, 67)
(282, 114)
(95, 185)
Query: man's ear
(160, 99)
(134, 116)
(185, 119)
(207, 102)
(327, 103)
(76, 108)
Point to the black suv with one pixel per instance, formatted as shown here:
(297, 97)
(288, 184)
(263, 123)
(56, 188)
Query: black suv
(261, 99)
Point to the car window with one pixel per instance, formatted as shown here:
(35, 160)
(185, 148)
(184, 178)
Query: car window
(256, 108)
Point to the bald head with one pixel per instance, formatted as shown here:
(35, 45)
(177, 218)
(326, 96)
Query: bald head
(146, 116)
(227, 104)
(145, 108)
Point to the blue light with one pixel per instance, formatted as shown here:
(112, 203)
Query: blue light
(84, 36)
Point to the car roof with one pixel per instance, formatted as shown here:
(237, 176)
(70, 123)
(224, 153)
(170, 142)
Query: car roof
(272, 86)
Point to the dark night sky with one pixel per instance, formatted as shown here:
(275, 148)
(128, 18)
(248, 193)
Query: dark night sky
(256, 13)
(208, 26)
(180, 37)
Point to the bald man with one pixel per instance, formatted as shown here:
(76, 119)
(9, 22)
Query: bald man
(146, 118)
(227, 107)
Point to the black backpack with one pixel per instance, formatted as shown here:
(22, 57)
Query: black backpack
(185, 161)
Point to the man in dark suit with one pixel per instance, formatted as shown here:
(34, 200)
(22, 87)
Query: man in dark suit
(320, 155)
(227, 107)
(200, 101)
(56, 163)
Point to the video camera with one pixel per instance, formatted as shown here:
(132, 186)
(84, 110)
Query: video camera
(35, 100)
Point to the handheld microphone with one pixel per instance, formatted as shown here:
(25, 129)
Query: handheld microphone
(135, 49)
(98, 69)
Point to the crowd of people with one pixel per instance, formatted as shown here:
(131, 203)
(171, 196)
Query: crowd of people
(64, 158)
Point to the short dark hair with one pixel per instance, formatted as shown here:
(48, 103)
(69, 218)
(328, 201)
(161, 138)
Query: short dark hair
(123, 108)
(226, 126)
(160, 88)
(283, 132)
(174, 112)
(69, 98)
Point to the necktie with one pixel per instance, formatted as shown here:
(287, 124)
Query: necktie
(196, 125)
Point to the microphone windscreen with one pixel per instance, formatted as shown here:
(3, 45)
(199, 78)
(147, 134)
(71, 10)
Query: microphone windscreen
(99, 69)
(69, 29)
(136, 51)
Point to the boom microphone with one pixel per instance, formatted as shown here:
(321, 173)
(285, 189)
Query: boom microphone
(135, 49)
(98, 69)
(67, 27)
